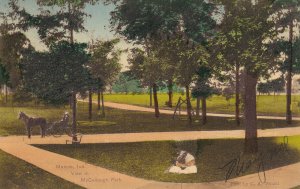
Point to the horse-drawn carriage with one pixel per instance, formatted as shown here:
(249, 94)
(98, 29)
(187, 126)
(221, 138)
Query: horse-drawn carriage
(60, 127)
(56, 129)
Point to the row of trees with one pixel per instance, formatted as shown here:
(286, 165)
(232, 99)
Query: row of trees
(275, 86)
(187, 42)
(67, 68)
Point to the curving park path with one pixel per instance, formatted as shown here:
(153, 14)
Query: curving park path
(171, 112)
(91, 176)
(155, 136)
(94, 177)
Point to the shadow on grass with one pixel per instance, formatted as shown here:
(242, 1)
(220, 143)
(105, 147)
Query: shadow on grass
(134, 121)
(149, 160)
(122, 121)
(20, 174)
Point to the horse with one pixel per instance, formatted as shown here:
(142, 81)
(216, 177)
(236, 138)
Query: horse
(32, 121)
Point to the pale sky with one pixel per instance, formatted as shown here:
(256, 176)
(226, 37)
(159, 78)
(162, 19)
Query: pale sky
(97, 26)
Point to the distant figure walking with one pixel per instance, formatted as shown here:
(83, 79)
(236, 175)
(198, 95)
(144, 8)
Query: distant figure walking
(31, 121)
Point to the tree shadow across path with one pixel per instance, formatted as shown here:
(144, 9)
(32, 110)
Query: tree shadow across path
(218, 159)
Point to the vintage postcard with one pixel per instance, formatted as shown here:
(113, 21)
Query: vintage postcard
(149, 94)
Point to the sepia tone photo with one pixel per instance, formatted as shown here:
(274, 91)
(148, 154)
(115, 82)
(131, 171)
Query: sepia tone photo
(150, 94)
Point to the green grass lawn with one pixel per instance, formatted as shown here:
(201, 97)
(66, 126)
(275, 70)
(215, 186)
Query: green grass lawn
(10, 125)
(16, 174)
(266, 105)
(120, 121)
(293, 142)
(149, 160)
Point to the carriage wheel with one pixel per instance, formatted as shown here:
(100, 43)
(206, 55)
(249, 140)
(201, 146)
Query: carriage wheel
(49, 131)
(68, 131)
(57, 132)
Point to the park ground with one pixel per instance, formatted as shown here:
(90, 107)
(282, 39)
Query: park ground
(155, 157)
(266, 104)
(149, 160)
(17, 173)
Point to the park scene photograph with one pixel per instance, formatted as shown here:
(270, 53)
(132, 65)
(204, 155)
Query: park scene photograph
(150, 94)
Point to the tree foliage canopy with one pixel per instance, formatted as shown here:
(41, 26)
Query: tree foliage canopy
(275, 85)
(4, 75)
(202, 86)
(127, 84)
(283, 46)
(104, 64)
(53, 76)
(136, 20)
(52, 24)
(244, 34)
(12, 47)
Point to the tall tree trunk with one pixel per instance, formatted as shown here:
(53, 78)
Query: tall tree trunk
(198, 107)
(71, 102)
(102, 100)
(251, 145)
(90, 105)
(148, 53)
(74, 114)
(237, 94)
(71, 29)
(188, 103)
(204, 115)
(155, 100)
(150, 96)
(170, 93)
(110, 89)
(289, 78)
(74, 100)
(6, 93)
(98, 99)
